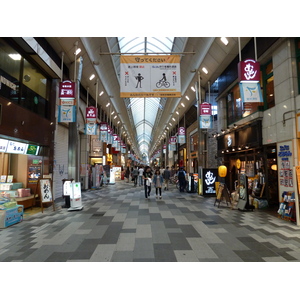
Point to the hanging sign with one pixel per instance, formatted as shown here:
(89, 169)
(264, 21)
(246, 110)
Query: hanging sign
(250, 92)
(164, 148)
(172, 143)
(91, 129)
(181, 135)
(249, 70)
(115, 141)
(205, 109)
(103, 132)
(67, 90)
(150, 76)
(66, 113)
(206, 122)
(91, 114)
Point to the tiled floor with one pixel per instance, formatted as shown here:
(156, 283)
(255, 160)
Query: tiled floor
(118, 224)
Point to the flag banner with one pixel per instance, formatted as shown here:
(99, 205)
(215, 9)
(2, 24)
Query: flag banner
(206, 122)
(181, 135)
(250, 92)
(91, 128)
(103, 136)
(66, 113)
(150, 76)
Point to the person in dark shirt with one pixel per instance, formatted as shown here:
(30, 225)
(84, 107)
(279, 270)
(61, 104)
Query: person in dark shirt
(147, 176)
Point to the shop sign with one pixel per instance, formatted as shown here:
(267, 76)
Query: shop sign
(249, 70)
(32, 149)
(164, 148)
(209, 179)
(250, 92)
(91, 129)
(206, 122)
(115, 141)
(181, 135)
(67, 90)
(91, 114)
(3, 145)
(103, 132)
(66, 113)
(205, 109)
(16, 147)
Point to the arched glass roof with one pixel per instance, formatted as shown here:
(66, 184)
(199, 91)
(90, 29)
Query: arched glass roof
(144, 110)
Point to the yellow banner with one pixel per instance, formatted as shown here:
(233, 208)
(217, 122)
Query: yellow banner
(150, 76)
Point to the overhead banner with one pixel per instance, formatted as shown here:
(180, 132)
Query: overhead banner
(150, 76)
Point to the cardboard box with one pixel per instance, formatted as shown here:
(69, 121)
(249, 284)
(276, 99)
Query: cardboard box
(11, 216)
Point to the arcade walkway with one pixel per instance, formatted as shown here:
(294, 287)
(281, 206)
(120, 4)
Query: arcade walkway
(118, 224)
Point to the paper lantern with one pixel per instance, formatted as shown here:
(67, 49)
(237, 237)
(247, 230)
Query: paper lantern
(222, 171)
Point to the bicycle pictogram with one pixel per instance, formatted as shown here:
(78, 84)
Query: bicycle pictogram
(163, 82)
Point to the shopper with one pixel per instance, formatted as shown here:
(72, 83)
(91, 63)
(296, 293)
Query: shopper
(147, 176)
(166, 175)
(158, 181)
(135, 174)
(141, 171)
(127, 172)
(182, 181)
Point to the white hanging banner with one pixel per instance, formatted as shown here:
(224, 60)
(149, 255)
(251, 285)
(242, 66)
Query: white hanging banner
(150, 76)
(250, 92)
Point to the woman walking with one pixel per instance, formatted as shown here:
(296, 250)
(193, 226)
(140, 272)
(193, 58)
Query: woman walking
(158, 181)
(147, 176)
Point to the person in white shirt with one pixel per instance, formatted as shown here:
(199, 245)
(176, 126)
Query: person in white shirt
(141, 171)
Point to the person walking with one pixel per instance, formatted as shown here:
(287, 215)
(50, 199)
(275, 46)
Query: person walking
(141, 171)
(127, 172)
(147, 176)
(135, 174)
(182, 181)
(158, 181)
(166, 175)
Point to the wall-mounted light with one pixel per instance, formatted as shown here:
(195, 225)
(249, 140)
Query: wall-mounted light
(234, 126)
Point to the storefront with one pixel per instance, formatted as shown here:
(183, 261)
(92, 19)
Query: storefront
(27, 122)
(243, 153)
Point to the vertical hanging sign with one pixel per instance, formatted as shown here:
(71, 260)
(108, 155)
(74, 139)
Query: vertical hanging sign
(67, 108)
(205, 116)
(172, 143)
(181, 135)
(103, 132)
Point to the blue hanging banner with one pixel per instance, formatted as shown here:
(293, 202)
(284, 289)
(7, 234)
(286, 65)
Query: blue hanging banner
(67, 113)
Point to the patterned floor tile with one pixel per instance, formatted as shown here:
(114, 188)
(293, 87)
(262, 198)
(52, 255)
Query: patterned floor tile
(117, 224)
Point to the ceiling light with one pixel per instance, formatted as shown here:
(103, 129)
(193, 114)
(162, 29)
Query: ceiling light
(177, 112)
(113, 112)
(193, 89)
(118, 122)
(187, 98)
(108, 104)
(77, 51)
(92, 76)
(182, 104)
(101, 93)
(170, 124)
(224, 41)
(204, 70)
(115, 117)
(15, 56)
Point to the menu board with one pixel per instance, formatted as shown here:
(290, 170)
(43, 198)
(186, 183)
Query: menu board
(46, 193)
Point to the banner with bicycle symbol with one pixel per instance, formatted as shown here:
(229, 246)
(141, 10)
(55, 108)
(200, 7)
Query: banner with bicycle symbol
(150, 76)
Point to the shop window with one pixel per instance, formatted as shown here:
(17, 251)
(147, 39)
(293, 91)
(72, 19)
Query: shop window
(267, 83)
(22, 82)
